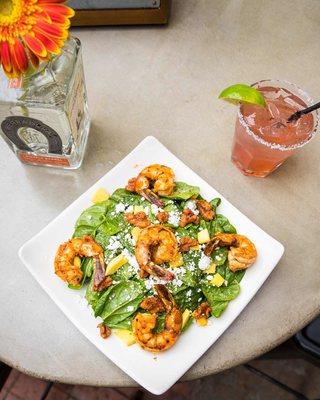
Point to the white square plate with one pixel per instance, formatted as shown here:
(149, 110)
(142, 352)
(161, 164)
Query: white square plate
(155, 374)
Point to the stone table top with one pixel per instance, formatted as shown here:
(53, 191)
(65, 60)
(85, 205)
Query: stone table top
(164, 81)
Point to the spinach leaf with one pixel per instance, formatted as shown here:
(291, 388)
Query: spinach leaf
(231, 276)
(219, 307)
(188, 297)
(123, 196)
(225, 224)
(192, 274)
(218, 297)
(221, 224)
(112, 225)
(222, 293)
(92, 296)
(94, 215)
(121, 301)
(91, 218)
(83, 230)
(220, 256)
(115, 316)
(160, 322)
(124, 273)
(125, 324)
(189, 230)
(183, 191)
(215, 203)
(239, 275)
(87, 269)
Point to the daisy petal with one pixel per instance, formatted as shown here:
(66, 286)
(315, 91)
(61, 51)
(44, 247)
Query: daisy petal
(59, 18)
(44, 16)
(33, 58)
(5, 57)
(16, 71)
(50, 1)
(59, 9)
(54, 30)
(18, 54)
(48, 43)
(35, 46)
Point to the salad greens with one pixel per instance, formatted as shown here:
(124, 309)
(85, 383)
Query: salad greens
(118, 303)
(183, 191)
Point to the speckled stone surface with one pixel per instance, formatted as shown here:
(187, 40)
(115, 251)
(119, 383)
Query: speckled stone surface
(164, 82)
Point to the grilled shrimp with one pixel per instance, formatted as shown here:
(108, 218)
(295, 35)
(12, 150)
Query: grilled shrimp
(144, 324)
(156, 244)
(158, 178)
(64, 262)
(242, 252)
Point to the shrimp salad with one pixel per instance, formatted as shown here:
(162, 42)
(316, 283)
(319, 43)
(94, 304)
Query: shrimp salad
(155, 257)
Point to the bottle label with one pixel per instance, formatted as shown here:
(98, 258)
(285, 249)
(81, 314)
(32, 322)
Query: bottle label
(11, 125)
(43, 160)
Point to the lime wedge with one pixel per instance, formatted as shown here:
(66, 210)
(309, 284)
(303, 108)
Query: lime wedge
(241, 93)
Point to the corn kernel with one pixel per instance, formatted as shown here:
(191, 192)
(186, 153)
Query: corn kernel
(135, 232)
(100, 195)
(203, 236)
(211, 269)
(185, 317)
(126, 336)
(217, 280)
(202, 321)
(77, 261)
(177, 261)
(115, 264)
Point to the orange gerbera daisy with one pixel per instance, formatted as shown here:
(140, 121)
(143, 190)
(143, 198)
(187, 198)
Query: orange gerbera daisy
(30, 31)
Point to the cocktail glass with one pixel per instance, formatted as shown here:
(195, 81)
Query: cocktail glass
(263, 138)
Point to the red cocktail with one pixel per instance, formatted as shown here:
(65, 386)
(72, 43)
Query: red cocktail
(263, 138)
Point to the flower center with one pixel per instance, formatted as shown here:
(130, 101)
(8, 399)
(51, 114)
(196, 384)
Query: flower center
(6, 7)
(10, 11)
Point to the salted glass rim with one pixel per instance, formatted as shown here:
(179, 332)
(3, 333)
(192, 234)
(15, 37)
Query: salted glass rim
(297, 91)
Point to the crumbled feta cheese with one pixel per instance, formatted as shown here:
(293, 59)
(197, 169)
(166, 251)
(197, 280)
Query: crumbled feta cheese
(129, 239)
(129, 209)
(147, 210)
(177, 282)
(189, 292)
(132, 261)
(191, 267)
(209, 277)
(114, 243)
(120, 207)
(204, 261)
(152, 280)
(174, 218)
(192, 206)
(154, 209)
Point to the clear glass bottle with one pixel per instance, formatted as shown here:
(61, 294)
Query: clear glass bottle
(44, 116)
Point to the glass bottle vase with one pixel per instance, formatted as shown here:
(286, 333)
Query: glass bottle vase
(44, 116)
